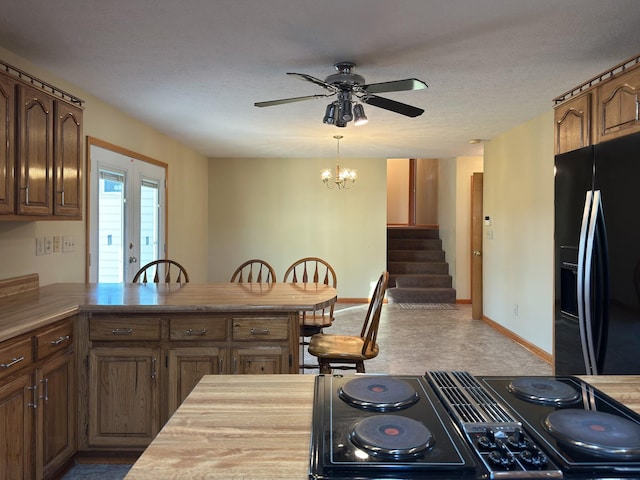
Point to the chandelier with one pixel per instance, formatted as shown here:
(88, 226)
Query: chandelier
(344, 178)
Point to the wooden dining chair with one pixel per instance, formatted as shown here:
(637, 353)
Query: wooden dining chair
(254, 270)
(312, 270)
(162, 271)
(350, 352)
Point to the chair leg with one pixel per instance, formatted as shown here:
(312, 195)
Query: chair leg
(325, 367)
(360, 367)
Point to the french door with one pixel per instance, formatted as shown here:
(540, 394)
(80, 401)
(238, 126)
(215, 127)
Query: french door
(126, 214)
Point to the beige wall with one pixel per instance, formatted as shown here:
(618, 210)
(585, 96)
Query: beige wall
(518, 261)
(279, 210)
(187, 190)
(398, 191)
(454, 217)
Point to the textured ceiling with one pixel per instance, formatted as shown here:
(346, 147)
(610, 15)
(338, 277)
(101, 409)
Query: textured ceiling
(194, 68)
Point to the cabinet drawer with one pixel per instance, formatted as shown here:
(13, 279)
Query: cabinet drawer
(259, 329)
(15, 355)
(54, 339)
(114, 327)
(198, 328)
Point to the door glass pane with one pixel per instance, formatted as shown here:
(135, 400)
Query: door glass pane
(111, 218)
(149, 222)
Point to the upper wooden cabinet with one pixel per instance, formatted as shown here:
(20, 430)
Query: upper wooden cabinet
(7, 145)
(617, 106)
(573, 124)
(40, 154)
(34, 167)
(603, 108)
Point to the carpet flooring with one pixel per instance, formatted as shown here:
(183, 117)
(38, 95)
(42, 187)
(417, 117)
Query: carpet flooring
(412, 341)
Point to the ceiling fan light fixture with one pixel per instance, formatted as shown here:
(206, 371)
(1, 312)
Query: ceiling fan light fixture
(330, 114)
(359, 117)
(346, 112)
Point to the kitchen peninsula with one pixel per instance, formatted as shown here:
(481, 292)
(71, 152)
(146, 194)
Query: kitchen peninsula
(101, 367)
(259, 427)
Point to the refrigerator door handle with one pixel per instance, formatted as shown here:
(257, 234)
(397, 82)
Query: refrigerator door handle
(585, 253)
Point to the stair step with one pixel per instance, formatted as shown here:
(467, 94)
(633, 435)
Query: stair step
(421, 295)
(412, 232)
(441, 268)
(414, 244)
(415, 256)
(420, 281)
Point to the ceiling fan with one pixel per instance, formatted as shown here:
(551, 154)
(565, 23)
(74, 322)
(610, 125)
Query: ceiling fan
(349, 88)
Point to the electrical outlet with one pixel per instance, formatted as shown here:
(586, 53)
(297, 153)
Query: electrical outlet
(48, 245)
(68, 244)
(39, 246)
(57, 243)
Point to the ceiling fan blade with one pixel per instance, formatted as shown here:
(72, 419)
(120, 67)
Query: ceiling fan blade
(392, 105)
(315, 80)
(288, 100)
(395, 86)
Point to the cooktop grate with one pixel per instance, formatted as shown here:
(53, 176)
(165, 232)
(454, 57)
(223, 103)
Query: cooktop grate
(468, 402)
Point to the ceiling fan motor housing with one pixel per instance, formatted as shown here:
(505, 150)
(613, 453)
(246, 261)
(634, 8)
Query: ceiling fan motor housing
(345, 79)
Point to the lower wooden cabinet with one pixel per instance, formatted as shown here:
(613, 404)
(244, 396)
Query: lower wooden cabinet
(38, 402)
(123, 396)
(16, 428)
(254, 360)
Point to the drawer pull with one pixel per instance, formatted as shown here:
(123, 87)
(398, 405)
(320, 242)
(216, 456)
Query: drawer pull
(199, 333)
(60, 340)
(122, 331)
(259, 331)
(12, 362)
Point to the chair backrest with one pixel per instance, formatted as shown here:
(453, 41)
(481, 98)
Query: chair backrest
(254, 270)
(372, 321)
(162, 271)
(312, 270)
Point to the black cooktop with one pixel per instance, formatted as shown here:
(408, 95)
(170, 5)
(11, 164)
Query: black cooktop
(384, 427)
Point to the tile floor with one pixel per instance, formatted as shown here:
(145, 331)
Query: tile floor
(412, 340)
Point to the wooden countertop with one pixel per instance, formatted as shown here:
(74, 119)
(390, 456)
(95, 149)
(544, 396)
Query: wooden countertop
(24, 312)
(259, 427)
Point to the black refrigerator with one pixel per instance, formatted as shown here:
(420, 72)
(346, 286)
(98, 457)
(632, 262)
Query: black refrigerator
(597, 259)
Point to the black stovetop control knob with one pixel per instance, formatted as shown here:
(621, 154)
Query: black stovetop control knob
(534, 457)
(518, 440)
(502, 458)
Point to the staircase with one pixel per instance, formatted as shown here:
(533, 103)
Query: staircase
(417, 269)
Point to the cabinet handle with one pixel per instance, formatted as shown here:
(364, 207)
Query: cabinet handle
(12, 362)
(34, 388)
(122, 331)
(62, 198)
(45, 397)
(60, 340)
(235, 364)
(220, 365)
(153, 368)
(259, 331)
(199, 333)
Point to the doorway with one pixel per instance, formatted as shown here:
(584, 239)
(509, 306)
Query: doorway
(127, 212)
(476, 245)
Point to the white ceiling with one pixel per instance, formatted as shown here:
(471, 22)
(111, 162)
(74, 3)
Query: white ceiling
(194, 68)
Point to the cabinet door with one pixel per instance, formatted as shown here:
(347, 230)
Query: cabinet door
(123, 396)
(573, 124)
(68, 160)
(187, 366)
(7, 145)
(258, 360)
(16, 428)
(617, 107)
(56, 426)
(35, 152)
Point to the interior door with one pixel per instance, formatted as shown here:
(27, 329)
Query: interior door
(126, 216)
(476, 245)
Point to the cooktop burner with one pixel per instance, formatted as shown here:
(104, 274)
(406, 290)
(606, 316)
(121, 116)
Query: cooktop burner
(392, 436)
(597, 433)
(543, 390)
(378, 393)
